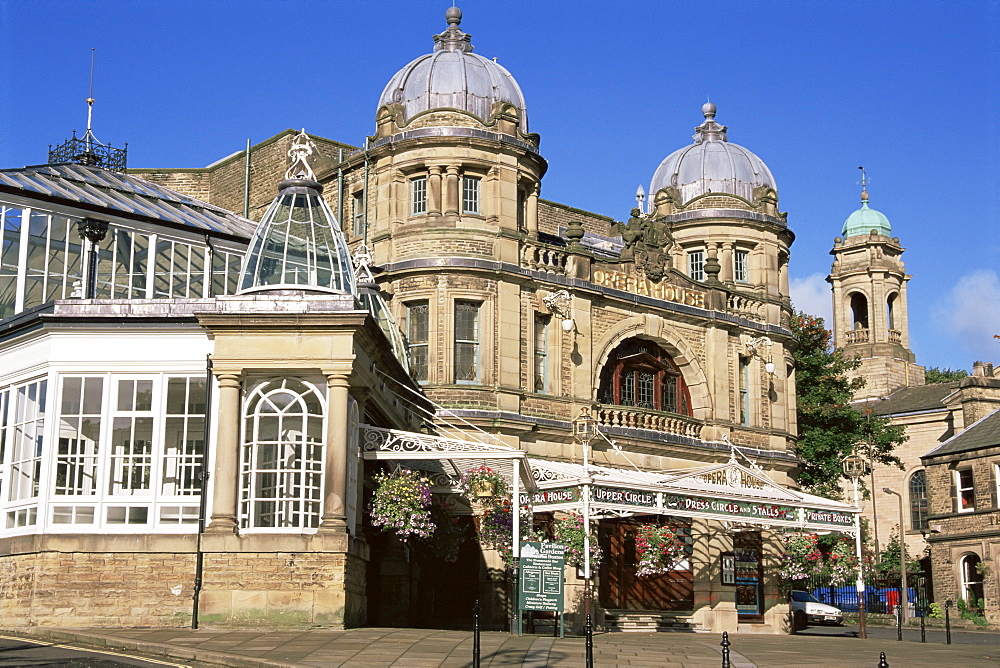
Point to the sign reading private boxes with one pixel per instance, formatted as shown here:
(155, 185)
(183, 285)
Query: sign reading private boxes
(542, 567)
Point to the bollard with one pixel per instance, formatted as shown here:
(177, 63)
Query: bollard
(882, 663)
(589, 632)
(475, 635)
(947, 622)
(899, 622)
(725, 649)
(923, 631)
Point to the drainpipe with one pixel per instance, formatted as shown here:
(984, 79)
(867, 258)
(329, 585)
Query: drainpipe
(199, 562)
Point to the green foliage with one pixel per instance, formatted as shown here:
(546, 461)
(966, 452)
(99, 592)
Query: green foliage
(888, 562)
(829, 426)
(936, 375)
(973, 613)
(935, 611)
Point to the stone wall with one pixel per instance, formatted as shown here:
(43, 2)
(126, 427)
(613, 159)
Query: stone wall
(552, 216)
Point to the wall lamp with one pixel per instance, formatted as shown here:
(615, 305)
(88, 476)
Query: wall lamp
(760, 348)
(561, 305)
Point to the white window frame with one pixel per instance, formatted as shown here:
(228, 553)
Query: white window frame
(418, 195)
(959, 490)
(540, 339)
(358, 218)
(472, 194)
(696, 265)
(741, 265)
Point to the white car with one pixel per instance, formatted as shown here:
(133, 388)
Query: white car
(807, 609)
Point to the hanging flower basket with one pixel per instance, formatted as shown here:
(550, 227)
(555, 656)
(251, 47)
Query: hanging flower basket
(802, 558)
(659, 549)
(401, 504)
(569, 532)
(484, 485)
(448, 535)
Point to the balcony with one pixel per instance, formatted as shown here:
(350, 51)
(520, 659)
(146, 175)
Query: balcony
(857, 336)
(638, 418)
(540, 257)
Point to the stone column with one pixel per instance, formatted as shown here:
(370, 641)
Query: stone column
(728, 269)
(451, 191)
(227, 457)
(335, 466)
(434, 190)
(531, 211)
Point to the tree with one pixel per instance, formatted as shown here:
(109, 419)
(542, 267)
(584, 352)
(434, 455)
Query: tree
(937, 375)
(829, 426)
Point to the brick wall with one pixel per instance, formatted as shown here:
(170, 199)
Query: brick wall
(552, 216)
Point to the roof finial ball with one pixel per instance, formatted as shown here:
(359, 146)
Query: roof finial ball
(453, 16)
(708, 109)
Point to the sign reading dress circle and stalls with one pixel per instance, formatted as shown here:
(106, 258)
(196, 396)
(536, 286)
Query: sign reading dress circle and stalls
(541, 576)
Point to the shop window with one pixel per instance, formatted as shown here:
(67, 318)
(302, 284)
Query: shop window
(467, 341)
(541, 341)
(470, 194)
(639, 373)
(918, 500)
(741, 266)
(417, 337)
(282, 465)
(965, 491)
(696, 265)
(418, 195)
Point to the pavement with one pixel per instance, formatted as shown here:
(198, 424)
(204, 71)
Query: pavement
(390, 647)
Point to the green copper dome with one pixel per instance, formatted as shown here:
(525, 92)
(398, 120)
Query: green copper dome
(864, 220)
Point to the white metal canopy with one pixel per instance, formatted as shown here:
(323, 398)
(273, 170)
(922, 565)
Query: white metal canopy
(728, 492)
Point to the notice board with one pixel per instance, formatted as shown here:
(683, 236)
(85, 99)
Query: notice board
(541, 576)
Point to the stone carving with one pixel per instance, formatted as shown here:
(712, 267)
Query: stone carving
(647, 242)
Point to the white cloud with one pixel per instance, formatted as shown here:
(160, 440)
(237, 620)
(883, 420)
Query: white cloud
(812, 295)
(971, 313)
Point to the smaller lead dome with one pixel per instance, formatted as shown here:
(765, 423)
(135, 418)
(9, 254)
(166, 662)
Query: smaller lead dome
(866, 220)
(712, 164)
(454, 77)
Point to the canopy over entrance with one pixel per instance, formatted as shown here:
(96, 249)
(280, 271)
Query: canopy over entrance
(730, 492)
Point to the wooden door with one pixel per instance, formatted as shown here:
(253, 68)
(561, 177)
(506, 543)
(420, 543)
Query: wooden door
(621, 589)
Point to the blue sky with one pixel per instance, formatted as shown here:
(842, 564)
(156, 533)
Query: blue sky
(907, 89)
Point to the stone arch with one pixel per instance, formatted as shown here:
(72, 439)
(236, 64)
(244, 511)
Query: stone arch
(658, 330)
(857, 307)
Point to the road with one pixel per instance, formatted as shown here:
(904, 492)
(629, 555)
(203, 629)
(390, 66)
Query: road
(935, 635)
(20, 652)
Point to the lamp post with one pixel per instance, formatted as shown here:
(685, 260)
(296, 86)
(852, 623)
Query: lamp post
(903, 598)
(854, 468)
(585, 430)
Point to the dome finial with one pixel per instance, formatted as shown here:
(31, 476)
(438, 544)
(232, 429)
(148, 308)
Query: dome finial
(708, 109)
(864, 185)
(453, 39)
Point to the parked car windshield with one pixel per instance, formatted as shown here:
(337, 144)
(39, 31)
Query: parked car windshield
(804, 597)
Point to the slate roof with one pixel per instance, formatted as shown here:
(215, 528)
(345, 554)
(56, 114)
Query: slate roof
(984, 433)
(94, 186)
(913, 399)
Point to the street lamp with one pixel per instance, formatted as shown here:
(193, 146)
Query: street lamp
(585, 430)
(903, 598)
(854, 468)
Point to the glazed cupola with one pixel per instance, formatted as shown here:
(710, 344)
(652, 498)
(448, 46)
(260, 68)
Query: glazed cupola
(298, 244)
(453, 77)
(712, 164)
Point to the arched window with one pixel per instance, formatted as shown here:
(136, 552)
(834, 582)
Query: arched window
(859, 311)
(282, 473)
(972, 580)
(918, 500)
(641, 374)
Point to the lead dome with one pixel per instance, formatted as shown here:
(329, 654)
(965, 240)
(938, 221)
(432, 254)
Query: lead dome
(866, 220)
(712, 164)
(453, 77)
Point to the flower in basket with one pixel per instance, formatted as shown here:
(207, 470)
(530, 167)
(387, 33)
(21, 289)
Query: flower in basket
(569, 532)
(658, 548)
(496, 530)
(802, 558)
(401, 504)
(484, 485)
(842, 563)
